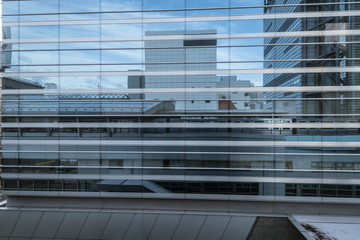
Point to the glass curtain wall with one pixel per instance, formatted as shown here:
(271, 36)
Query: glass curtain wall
(183, 98)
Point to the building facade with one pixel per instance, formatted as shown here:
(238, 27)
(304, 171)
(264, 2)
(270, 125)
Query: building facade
(314, 51)
(145, 99)
(183, 55)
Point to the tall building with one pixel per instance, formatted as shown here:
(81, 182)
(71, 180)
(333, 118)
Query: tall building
(183, 55)
(311, 51)
(143, 105)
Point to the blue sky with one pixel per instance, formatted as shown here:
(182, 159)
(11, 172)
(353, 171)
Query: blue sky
(136, 56)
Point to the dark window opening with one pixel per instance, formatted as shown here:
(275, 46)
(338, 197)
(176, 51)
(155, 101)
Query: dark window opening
(189, 43)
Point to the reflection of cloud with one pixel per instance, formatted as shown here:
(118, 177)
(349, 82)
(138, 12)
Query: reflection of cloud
(43, 80)
(222, 54)
(79, 82)
(39, 32)
(124, 5)
(118, 30)
(34, 57)
(246, 54)
(222, 27)
(113, 82)
(247, 3)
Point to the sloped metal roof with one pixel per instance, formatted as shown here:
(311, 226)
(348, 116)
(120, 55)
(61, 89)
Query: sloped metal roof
(107, 224)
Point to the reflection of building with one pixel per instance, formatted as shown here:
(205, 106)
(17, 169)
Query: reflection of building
(6, 52)
(186, 136)
(306, 52)
(353, 51)
(137, 82)
(50, 86)
(182, 55)
(16, 83)
(240, 100)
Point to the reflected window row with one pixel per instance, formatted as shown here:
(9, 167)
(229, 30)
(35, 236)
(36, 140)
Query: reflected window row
(323, 190)
(305, 190)
(134, 133)
(136, 186)
(177, 164)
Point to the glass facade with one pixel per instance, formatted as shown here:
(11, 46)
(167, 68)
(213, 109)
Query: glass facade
(181, 99)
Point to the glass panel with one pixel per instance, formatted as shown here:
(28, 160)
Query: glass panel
(198, 97)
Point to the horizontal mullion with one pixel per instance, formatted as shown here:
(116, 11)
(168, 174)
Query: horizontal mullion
(100, 102)
(225, 114)
(319, 14)
(181, 47)
(186, 72)
(183, 143)
(183, 90)
(274, 154)
(230, 169)
(322, 33)
(187, 63)
(247, 179)
(319, 125)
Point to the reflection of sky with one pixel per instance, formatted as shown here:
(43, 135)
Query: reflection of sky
(118, 30)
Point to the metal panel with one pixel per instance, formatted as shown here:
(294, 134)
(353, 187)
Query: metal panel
(26, 224)
(19, 238)
(213, 227)
(187, 37)
(49, 224)
(165, 227)
(71, 225)
(188, 227)
(199, 72)
(238, 228)
(44, 238)
(141, 226)
(182, 90)
(188, 18)
(171, 143)
(94, 225)
(117, 226)
(7, 222)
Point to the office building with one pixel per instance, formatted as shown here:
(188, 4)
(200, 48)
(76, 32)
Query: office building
(183, 55)
(195, 106)
(315, 51)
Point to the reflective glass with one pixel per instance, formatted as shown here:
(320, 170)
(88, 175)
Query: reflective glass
(181, 97)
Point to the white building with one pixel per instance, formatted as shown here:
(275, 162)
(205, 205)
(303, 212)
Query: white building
(240, 100)
(182, 55)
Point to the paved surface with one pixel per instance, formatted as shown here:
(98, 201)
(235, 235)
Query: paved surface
(331, 227)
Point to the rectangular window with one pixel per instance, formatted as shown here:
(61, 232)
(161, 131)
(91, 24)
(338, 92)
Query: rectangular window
(190, 43)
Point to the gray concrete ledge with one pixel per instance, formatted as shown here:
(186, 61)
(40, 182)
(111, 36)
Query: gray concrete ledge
(185, 205)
